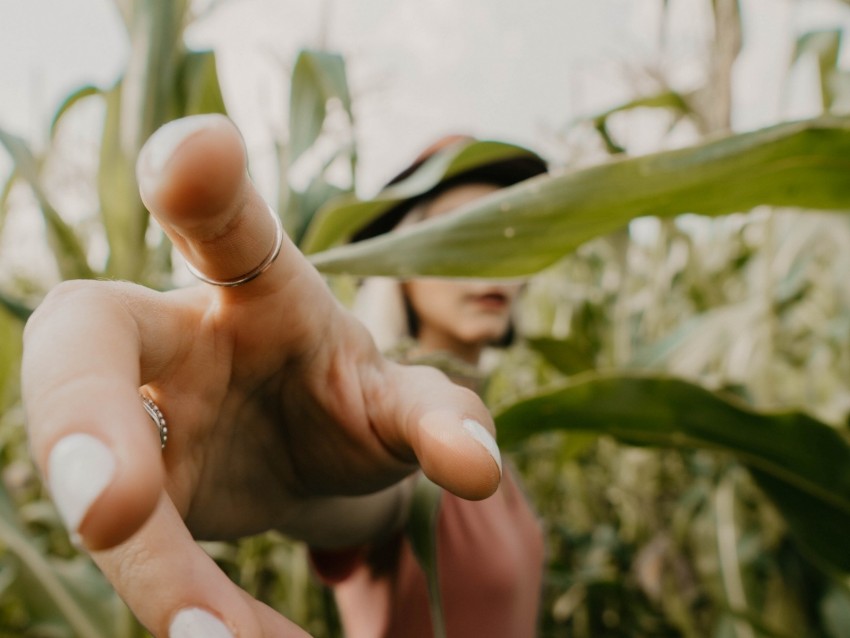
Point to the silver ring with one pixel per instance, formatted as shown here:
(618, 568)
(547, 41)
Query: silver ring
(156, 416)
(254, 273)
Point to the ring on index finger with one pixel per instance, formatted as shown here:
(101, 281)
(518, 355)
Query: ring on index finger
(264, 265)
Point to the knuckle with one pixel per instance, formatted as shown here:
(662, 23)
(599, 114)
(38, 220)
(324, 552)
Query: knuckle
(60, 296)
(432, 375)
(71, 307)
(127, 566)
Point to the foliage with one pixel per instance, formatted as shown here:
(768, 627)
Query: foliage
(522, 229)
(318, 86)
(678, 413)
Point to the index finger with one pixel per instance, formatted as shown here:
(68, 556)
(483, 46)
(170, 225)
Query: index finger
(193, 177)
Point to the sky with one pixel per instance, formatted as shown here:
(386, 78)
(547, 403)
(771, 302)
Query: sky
(519, 70)
(494, 68)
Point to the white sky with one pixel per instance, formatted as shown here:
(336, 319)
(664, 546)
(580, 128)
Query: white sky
(495, 68)
(508, 69)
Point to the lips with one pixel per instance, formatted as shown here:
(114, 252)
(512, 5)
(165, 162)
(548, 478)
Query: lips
(491, 300)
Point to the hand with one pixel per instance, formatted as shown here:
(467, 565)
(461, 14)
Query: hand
(281, 413)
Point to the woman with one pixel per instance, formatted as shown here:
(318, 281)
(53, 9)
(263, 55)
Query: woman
(490, 553)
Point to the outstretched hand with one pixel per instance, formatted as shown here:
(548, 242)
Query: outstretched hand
(281, 413)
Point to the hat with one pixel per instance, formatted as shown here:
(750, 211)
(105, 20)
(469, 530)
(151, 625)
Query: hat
(451, 161)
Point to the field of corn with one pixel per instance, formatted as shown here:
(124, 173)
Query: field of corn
(677, 405)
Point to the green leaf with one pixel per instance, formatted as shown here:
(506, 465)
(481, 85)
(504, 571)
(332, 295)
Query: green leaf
(565, 356)
(161, 80)
(835, 608)
(11, 332)
(825, 45)
(153, 70)
(74, 591)
(612, 147)
(318, 77)
(198, 87)
(802, 464)
(5, 192)
(670, 100)
(839, 91)
(422, 532)
(75, 96)
(66, 247)
(125, 218)
(302, 206)
(15, 307)
(338, 221)
(527, 227)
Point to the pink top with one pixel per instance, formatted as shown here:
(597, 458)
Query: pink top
(490, 556)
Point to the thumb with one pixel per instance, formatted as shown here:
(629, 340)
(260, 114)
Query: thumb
(442, 426)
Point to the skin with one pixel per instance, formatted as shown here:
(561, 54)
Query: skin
(282, 414)
(460, 317)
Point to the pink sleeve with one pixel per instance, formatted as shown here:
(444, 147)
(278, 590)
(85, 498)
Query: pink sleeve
(490, 557)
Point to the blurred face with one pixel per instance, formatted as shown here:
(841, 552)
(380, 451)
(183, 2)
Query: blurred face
(460, 316)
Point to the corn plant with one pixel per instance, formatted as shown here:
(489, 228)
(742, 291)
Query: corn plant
(678, 412)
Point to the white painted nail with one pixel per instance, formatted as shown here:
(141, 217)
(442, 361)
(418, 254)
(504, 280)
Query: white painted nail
(79, 468)
(197, 623)
(161, 146)
(483, 436)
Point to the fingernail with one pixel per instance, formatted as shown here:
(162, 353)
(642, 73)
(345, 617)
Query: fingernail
(197, 623)
(483, 436)
(161, 146)
(79, 468)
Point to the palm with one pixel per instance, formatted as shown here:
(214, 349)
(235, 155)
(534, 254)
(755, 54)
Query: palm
(251, 430)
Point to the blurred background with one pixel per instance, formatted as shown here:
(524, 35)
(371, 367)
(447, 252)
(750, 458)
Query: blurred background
(671, 539)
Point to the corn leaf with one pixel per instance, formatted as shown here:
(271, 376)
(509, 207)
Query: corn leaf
(802, 464)
(153, 70)
(568, 357)
(318, 77)
(10, 358)
(823, 44)
(422, 532)
(5, 192)
(670, 100)
(835, 608)
(75, 96)
(198, 87)
(73, 592)
(146, 97)
(15, 307)
(124, 216)
(67, 250)
(302, 205)
(336, 223)
(525, 228)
